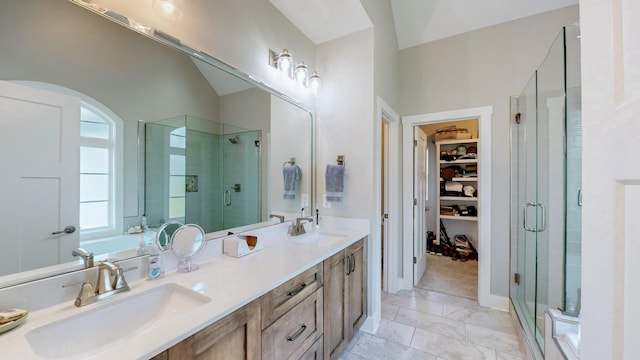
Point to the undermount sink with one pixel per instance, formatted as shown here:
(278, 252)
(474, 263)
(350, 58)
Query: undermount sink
(320, 238)
(96, 329)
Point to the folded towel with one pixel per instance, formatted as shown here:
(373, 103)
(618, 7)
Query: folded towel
(334, 182)
(11, 315)
(291, 174)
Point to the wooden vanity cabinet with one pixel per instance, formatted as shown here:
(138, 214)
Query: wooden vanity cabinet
(310, 317)
(236, 336)
(345, 301)
(292, 320)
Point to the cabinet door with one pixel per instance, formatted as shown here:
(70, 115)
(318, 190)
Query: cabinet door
(356, 287)
(236, 336)
(335, 324)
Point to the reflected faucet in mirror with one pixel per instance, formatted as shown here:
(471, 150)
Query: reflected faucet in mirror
(279, 217)
(86, 256)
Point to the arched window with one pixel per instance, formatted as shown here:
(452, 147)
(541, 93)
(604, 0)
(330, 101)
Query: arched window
(100, 169)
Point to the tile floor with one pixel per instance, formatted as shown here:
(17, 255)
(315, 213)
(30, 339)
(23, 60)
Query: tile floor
(453, 277)
(425, 323)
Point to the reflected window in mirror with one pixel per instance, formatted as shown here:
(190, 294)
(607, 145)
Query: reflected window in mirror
(98, 169)
(177, 175)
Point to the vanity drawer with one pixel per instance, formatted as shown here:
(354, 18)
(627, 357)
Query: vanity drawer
(281, 299)
(295, 332)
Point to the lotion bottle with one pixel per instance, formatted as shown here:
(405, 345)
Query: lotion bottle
(155, 263)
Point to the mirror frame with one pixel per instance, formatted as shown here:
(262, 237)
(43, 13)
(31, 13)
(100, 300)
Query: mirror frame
(174, 43)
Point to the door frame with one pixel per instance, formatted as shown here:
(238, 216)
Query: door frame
(392, 255)
(483, 114)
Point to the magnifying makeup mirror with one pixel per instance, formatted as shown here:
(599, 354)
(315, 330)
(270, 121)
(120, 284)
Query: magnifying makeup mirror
(184, 242)
(187, 241)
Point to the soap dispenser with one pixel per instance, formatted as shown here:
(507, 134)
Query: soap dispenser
(155, 263)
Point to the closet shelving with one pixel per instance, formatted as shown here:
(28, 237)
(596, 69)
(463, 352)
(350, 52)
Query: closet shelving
(448, 146)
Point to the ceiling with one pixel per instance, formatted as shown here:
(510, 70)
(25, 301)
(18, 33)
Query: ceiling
(416, 21)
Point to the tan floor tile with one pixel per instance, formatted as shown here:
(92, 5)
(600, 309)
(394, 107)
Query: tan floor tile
(396, 332)
(416, 303)
(437, 324)
(449, 348)
(374, 348)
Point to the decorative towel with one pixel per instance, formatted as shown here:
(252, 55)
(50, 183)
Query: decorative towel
(334, 182)
(291, 174)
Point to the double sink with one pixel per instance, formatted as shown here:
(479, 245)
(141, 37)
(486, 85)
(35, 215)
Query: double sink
(119, 319)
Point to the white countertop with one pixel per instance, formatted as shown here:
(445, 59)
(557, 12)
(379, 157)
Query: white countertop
(230, 282)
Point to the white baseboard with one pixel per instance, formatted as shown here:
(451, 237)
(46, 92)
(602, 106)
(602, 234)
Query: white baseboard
(499, 303)
(371, 323)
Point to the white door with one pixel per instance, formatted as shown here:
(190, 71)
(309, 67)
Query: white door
(610, 313)
(39, 182)
(420, 204)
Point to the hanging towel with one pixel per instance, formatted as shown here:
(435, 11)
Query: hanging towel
(334, 182)
(291, 174)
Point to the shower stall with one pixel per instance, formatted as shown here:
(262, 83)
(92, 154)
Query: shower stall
(546, 157)
(203, 172)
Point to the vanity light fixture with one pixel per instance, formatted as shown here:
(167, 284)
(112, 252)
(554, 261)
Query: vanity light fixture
(283, 61)
(171, 9)
(301, 72)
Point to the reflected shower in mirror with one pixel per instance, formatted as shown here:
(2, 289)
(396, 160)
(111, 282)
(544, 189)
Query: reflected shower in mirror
(105, 78)
(202, 172)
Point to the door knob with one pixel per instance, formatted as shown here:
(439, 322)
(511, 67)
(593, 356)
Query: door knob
(67, 230)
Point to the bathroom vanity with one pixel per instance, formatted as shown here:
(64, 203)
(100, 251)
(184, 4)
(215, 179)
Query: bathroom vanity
(299, 298)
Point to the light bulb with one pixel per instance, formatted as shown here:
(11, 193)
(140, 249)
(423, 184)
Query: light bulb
(301, 73)
(284, 62)
(171, 9)
(314, 83)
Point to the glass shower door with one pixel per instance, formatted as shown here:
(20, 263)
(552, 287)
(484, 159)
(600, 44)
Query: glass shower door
(546, 183)
(524, 187)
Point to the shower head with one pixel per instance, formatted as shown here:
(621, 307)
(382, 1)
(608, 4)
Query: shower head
(234, 140)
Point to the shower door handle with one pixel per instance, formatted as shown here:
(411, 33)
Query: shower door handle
(543, 218)
(580, 197)
(227, 198)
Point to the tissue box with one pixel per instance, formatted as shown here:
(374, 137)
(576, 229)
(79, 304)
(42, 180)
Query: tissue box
(241, 245)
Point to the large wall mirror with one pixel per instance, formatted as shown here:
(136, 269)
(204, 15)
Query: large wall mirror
(105, 129)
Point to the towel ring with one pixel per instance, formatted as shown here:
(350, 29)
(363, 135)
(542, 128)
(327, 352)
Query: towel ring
(290, 162)
(340, 160)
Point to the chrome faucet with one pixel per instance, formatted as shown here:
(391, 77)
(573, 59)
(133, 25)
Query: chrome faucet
(111, 281)
(280, 217)
(298, 227)
(87, 257)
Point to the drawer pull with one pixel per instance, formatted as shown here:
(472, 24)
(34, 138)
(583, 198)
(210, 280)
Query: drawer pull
(293, 293)
(353, 264)
(348, 265)
(297, 335)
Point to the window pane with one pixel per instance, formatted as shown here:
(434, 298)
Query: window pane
(94, 215)
(177, 165)
(176, 207)
(94, 160)
(94, 130)
(94, 187)
(181, 131)
(177, 186)
(177, 142)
